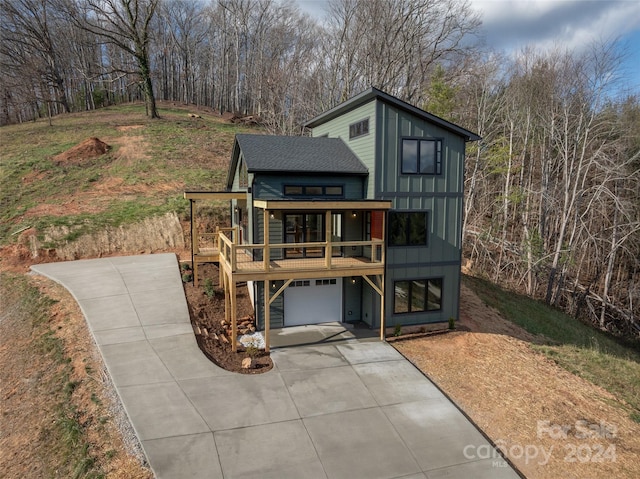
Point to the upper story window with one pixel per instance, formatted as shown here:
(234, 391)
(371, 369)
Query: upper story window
(336, 191)
(407, 228)
(359, 128)
(243, 175)
(421, 157)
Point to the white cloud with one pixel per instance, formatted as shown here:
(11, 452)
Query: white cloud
(511, 24)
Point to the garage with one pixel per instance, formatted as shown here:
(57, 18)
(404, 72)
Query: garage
(313, 301)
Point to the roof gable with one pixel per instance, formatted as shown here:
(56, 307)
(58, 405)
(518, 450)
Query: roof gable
(374, 94)
(294, 154)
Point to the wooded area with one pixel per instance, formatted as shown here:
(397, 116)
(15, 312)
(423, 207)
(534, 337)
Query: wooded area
(552, 191)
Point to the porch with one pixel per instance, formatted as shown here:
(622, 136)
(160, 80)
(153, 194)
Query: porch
(286, 262)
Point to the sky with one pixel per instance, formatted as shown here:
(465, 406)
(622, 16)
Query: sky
(510, 25)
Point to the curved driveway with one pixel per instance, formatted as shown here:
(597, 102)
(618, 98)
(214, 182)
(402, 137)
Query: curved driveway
(343, 410)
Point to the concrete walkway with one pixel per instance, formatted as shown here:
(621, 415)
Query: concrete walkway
(341, 410)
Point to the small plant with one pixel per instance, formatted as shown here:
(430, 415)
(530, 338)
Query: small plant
(397, 331)
(452, 323)
(187, 277)
(252, 348)
(185, 267)
(208, 288)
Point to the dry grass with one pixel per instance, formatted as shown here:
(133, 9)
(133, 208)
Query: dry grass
(514, 393)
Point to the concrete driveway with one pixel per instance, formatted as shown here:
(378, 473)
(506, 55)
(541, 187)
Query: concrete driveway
(341, 410)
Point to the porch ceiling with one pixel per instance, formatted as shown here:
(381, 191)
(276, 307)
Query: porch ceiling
(322, 205)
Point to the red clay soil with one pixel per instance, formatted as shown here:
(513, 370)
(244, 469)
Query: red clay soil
(213, 334)
(88, 149)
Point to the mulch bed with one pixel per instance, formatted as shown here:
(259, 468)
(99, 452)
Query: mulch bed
(206, 309)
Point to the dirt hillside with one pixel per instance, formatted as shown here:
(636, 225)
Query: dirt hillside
(551, 423)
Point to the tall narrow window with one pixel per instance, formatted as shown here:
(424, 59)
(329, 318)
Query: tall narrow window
(421, 157)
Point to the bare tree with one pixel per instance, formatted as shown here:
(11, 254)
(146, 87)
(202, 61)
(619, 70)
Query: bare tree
(30, 50)
(125, 24)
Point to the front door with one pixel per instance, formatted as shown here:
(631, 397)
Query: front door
(304, 228)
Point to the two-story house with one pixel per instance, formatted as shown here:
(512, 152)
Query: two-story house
(361, 221)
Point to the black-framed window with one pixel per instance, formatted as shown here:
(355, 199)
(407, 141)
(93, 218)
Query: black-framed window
(359, 128)
(408, 228)
(333, 191)
(417, 295)
(421, 157)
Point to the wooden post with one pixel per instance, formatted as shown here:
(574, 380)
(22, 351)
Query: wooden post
(382, 326)
(266, 252)
(234, 318)
(327, 239)
(227, 302)
(194, 244)
(383, 276)
(267, 314)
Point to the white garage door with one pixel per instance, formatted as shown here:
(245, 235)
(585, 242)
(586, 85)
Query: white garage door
(313, 301)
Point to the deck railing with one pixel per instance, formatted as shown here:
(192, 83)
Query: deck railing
(300, 256)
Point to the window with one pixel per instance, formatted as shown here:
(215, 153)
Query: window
(293, 190)
(304, 228)
(421, 157)
(314, 190)
(325, 282)
(418, 295)
(333, 190)
(407, 228)
(360, 128)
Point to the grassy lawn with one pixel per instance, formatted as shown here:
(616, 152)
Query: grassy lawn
(577, 347)
(151, 162)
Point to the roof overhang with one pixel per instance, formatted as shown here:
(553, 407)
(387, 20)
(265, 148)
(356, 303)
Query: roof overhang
(322, 205)
(215, 195)
(375, 94)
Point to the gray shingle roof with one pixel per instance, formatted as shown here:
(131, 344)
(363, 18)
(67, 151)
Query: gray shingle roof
(298, 154)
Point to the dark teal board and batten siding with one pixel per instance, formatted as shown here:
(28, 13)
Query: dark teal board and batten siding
(394, 126)
(450, 275)
(441, 196)
(271, 187)
(363, 146)
(276, 310)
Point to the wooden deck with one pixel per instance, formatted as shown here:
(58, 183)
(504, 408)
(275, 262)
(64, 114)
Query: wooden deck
(307, 268)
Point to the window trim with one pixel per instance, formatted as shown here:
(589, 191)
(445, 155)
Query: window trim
(408, 244)
(353, 134)
(426, 295)
(438, 159)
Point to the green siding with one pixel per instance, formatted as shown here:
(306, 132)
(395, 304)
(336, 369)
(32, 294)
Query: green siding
(276, 311)
(450, 294)
(270, 187)
(395, 125)
(440, 195)
(275, 232)
(364, 146)
(352, 299)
